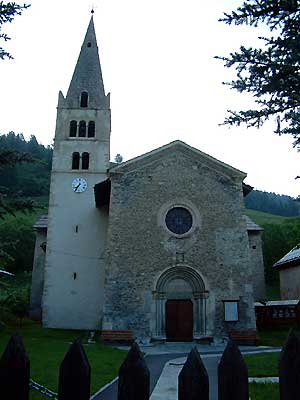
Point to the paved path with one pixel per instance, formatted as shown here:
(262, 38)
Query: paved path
(167, 388)
(163, 374)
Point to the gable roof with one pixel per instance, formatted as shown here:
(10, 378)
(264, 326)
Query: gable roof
(251, 225)
(41, 222)
(292, 258)
(178, 145)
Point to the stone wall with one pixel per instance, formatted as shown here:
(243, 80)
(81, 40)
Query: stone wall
(141, 247)
(37, 286)
(257, 263)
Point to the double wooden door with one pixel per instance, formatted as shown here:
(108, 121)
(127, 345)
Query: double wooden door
(179, 320)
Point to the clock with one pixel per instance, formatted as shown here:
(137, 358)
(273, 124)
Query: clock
(79, 185)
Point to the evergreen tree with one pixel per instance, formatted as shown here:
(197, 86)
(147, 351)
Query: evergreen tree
(8, 11)
(272, 72)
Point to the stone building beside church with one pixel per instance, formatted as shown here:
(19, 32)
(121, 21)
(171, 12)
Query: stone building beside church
(158, 244)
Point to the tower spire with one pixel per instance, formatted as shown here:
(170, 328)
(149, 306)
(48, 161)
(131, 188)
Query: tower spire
(87, 76)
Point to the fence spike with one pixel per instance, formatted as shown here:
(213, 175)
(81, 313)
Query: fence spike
(193, 383)
(232, 375)
(134, 376)
(74, 374)
(289, 368)
(14, 370)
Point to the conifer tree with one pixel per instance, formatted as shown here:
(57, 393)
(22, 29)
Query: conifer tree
(271, 73)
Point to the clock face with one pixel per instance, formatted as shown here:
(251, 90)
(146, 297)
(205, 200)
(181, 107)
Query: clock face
(79, 185)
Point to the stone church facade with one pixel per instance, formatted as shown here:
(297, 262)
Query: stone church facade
(158, 244)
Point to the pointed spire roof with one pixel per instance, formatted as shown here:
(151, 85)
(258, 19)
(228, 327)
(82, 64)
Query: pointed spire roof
(87, 76)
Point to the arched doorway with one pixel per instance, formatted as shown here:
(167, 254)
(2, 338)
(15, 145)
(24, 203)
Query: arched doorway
(180, 303)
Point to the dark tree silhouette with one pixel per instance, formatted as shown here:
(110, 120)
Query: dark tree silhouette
(271, 73)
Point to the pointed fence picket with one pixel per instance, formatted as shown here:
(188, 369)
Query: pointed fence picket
(193, 381)
(74, 374)
(134, 376)
(14, 371)
(289, 369)
(232, 375)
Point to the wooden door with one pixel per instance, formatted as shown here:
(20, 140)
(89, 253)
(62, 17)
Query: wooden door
(179, 320)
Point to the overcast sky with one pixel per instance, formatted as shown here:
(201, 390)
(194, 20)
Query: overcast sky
(157, 60)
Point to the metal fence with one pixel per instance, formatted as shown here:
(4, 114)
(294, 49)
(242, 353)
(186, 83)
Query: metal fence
(134, 376)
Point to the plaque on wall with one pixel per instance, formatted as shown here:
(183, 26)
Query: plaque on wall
(231, 311)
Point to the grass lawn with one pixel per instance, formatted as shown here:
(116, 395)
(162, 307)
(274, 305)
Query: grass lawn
(264, 391)
(275, 337)
(262, 365)
(46, 349)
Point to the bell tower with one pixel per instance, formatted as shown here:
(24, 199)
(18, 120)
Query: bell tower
(76, 237)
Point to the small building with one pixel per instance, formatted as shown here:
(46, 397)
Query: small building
(289, 274)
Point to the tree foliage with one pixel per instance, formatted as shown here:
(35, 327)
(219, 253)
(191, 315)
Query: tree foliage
(24, 174)
(278, 240)
(24, 171)
(272, 203)
(271, 73)
(8, 11)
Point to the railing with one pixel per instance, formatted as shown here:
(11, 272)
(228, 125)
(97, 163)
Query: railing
(134, 376)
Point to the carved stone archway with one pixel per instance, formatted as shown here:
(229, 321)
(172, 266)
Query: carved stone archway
(180, 282)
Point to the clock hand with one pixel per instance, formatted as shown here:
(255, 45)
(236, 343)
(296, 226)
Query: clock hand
(77, 187)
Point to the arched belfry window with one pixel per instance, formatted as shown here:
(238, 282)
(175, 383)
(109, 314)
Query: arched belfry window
(75, 160)
(91, 129)
(73, 128)
(84, 99)
(82, 129)
(85, 159)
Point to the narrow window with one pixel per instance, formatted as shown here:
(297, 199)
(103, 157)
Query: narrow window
(85, 160)
(73, 128)
(91, 129)
(75, 160)
(82, 129)
(84, 99)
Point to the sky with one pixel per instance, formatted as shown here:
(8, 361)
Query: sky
(157, 59)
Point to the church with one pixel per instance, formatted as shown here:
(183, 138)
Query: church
(158, 245)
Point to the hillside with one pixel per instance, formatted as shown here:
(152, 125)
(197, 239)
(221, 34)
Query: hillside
(279, 236)
(276, 204)
(263, 218)
(25, 179)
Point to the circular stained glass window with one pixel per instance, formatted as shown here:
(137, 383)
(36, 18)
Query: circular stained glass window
(179, 220)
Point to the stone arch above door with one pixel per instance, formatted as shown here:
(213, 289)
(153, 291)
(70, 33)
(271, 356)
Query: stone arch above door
(188, 274)
(180, 282)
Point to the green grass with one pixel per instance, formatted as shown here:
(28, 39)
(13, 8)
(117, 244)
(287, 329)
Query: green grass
(274, 336)
(46, 349)
(262, 365)
(262, 218)
(264, 391)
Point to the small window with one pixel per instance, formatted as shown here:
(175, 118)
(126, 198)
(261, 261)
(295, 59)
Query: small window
(89, 44)
(91, 129)
(75, 160)
(84, 99)
(73, 128)
(82, 129)
(85, 160)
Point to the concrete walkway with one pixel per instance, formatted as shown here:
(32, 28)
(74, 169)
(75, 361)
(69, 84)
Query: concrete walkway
(167, 388)
(165, 361)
